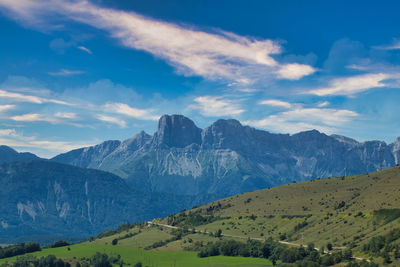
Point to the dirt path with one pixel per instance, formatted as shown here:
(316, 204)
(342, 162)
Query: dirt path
(252, 238)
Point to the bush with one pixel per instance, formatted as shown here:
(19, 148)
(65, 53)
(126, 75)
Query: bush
(100, 260)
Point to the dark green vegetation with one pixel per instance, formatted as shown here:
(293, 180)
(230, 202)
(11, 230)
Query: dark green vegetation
(47, 201)
(20, 249)
(47, 261)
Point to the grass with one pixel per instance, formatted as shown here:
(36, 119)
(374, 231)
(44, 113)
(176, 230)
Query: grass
(342, 211)
(150, 258)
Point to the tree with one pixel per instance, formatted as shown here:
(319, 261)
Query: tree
(347, 254)
(218, 233)
(100, 260)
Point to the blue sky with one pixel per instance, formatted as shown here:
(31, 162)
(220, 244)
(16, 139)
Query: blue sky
(76, 73)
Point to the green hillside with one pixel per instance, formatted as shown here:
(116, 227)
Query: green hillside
(355, 216)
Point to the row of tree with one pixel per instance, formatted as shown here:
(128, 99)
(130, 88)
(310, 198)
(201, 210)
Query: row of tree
(19, 249)
(274, 251)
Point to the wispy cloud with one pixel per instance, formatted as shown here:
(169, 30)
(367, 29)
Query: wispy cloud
(213, 55)
(395, 45)
(295, 71)
(113, 120)
(302, 119)
(33, 117)
(66, 115)
(85, 49)
(8, 132)
(323, 104)
(275, 103)
(124, 109)
(45, 148)
(6, 107)
(18, 97)
(216, 106)
(352, 85)
(65, 72)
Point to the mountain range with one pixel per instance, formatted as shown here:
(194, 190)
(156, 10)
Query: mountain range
(228, 158)
(92, 189)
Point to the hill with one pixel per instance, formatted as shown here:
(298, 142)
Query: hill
(350, 218)
(346, 212)
(7, 154)
(47, 201)
(228, 158)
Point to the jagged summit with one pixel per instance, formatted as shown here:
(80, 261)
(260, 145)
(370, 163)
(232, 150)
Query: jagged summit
(228, 158)
(176, 131)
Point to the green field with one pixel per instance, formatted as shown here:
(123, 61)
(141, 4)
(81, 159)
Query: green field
(149, 258)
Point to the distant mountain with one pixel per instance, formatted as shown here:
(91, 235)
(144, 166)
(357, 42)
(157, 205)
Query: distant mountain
(228, 158)
(7, 154)
(42, 200)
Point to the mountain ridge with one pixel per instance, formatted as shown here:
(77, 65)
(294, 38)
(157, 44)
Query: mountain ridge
(227, 158)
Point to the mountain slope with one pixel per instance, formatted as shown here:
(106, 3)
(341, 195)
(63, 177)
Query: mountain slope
(347, 212)
(7, 154)
(227, 158)
(49, 199)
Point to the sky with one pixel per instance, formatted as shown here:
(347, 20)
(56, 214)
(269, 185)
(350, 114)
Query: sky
(74, 73)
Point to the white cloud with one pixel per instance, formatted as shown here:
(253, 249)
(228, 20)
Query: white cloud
(275, 103)
(8, 132)
(217, 55)
(18, 97)
(85, 49)
(295, 71)
(323, 104)
(124, 109)
(65, 72)
(66, 115)
(352, 85)
(33, 117)
(302, 119)
(394, 46)
(44, 148)
(215, 106)
(6, 107)
(113, 120)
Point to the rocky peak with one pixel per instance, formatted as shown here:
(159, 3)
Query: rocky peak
(135, 142)
(226, 134)
(176, 131)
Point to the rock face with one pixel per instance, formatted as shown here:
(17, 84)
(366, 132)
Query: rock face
(7, 154)
(228, 158)
(49, 201)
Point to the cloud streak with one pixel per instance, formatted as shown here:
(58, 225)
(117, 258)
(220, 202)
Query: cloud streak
(275, 103)
(302, 119)
(352, 85)
(215, 106)
(113, 120)
(17, 97)
(213, 55)
(44, 148)
(65, 72)
(124, 109)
